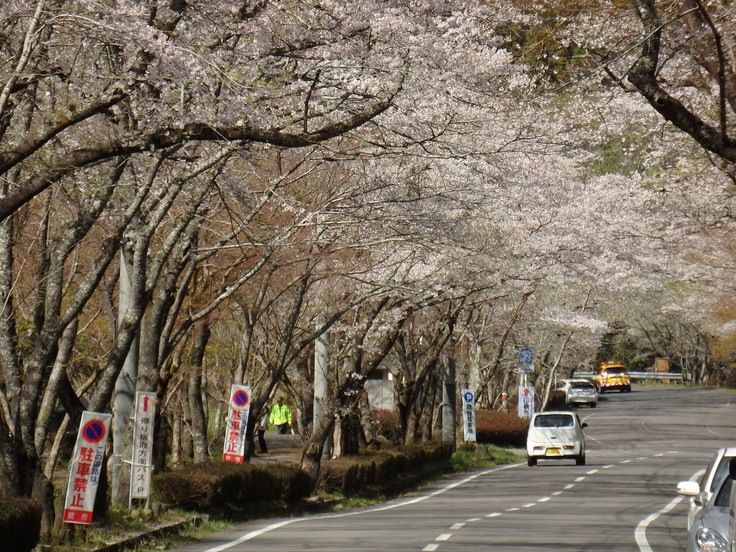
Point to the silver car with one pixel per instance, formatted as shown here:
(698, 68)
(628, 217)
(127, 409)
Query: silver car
(555, 435)
(579, 391)
(700, 492)
(710, 532)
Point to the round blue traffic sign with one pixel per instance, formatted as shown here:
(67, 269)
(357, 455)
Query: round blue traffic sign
(240, 398)
(526, 355)
(94, 431)
(468, 396)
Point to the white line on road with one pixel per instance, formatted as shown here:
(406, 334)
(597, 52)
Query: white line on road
(253, 534)
(443, 537)
(641, 530)
(457, 526)
(430, 547)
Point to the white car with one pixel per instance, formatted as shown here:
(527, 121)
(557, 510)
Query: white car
(710, 530)
(555, 435)
(579, 391)
(701, 492)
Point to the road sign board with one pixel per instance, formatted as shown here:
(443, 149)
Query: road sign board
(468, 415)
(526, 355)
(85, 467)
(237, 421)
(142, 465)
(526, 401)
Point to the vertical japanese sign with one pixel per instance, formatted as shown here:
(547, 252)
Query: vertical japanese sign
(237, 420)
(526, 401)
(142, 464)
(468, 415)
(86, 467)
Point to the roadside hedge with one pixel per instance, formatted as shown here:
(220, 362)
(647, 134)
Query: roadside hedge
(500, 428)
(211, 486)
(20, 524)
(382, 469)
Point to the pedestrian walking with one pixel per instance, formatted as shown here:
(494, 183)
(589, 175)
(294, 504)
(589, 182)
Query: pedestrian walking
(262, 427)
(280, 416)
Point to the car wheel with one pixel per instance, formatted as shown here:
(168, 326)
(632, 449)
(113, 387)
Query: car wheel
(580, 460)
(531, 461)
(593, 405)
(628, 389)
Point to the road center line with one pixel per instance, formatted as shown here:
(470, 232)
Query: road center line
(253, 534)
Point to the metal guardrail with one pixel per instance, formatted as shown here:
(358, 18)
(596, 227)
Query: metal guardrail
(639, 375)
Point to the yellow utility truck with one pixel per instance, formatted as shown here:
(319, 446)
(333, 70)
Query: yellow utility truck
(613, 375)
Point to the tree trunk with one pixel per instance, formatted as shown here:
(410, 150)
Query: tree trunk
(196, 406)
(312, 453)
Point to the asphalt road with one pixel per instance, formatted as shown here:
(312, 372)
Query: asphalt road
(640, 444)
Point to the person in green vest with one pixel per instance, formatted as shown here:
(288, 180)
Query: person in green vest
(280, 416)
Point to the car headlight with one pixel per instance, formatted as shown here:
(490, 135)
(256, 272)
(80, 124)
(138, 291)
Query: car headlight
(708, 540)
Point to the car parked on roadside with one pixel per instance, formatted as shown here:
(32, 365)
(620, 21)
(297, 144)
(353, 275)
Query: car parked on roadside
(701, 491)
(710, 529)
(555, 435)
(579, 391)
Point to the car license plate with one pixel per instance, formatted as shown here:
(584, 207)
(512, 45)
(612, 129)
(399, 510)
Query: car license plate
(554, 451)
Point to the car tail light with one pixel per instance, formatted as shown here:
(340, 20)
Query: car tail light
(569, 447)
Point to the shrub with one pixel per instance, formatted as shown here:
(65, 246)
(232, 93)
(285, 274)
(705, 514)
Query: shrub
(556, 400)
(351, 473)
(20, 524)
(500, 428)
(386, 424)
(212, 485)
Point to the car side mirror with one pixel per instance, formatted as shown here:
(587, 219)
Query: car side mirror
(583, 425)
(688, 488)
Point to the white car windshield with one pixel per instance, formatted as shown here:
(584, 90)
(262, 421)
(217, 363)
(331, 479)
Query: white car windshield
(554, 420)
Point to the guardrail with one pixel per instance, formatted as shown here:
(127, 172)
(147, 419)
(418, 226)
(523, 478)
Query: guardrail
(639, 375)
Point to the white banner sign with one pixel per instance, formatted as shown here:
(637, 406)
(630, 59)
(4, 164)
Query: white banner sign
(142, 465)
(85, 468)
(468, 415)
(237, 420)
(526, 401)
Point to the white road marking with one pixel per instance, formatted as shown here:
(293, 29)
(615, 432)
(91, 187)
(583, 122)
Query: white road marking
(513, 509)
(591, 472)
(457, 526)
(557, 493)
(253, 534)
(430, 547)
(607, 466)
(579, 479)
(494, 514)
(443, 537)
(544, 499)
(529, 505)
(641, 530)
(569, 486)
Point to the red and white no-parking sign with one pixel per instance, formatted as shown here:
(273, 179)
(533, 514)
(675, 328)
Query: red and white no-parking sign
(237, 421)
(85, 467)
